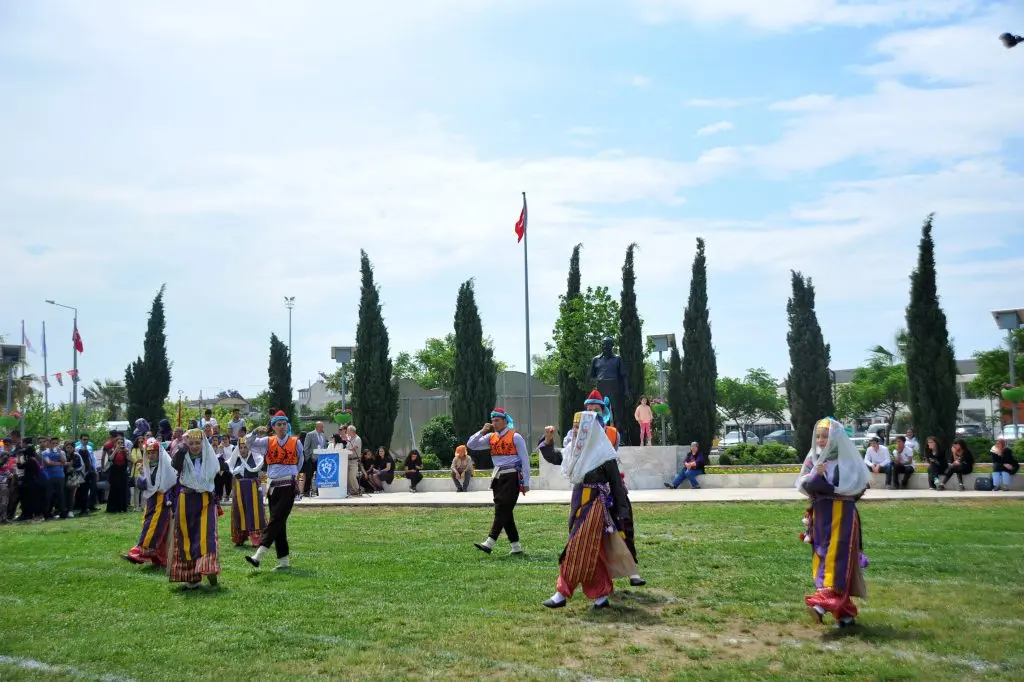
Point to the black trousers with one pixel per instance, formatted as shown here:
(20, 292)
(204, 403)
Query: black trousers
(935, 469)
(958, 469)
(282, 499)
(506, 495)
(894, 472)
(56, 499)
(308, 467)
(414, 478)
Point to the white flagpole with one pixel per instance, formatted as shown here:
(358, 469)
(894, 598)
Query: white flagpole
(21, 406)
(46, 387)
(526, 291)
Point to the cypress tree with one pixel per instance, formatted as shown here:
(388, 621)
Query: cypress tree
(571, 393)
(474, 390)
(147, 380)
(675, 391)
(631, 350)
(374, 386)
(809, 384)
(699, 367)
(931, 363)
(279, 373)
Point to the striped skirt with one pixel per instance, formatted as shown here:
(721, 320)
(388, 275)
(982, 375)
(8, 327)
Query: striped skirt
(193, 538)
(586, 559)
(835, 562)
(248, 513)
(156, 519)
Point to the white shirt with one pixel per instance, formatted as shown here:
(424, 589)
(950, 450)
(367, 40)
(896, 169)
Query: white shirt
(877, 456)
(203, 423)
(355, 447)
(913, 444)
(905, 456)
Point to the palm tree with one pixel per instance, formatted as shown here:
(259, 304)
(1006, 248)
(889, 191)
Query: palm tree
(21, 387)
(108, 393)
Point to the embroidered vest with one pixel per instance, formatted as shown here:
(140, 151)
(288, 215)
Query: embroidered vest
(503, 445)
(287, 453)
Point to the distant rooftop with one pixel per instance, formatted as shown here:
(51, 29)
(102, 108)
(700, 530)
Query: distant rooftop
(963, 367)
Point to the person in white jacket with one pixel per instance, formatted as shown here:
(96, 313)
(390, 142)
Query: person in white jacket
(878, 459)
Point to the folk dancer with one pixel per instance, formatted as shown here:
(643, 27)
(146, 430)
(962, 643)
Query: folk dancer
(284, 460)
(834, 478)
(194, 552)
(156, 483)
(602, 405)
(511, 475)
(248, 515)
(596, 551)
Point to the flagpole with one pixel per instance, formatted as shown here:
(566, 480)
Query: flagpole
(21, 407)
(526, 291)
(46, 387)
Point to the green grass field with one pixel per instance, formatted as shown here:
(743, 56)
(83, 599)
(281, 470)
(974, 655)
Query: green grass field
(391, 594)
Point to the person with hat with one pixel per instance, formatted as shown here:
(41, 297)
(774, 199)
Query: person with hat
(284, 458)
(193, 552)
(511, 477)
(157, 480)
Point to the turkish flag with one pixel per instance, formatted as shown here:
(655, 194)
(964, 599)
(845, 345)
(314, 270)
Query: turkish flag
(521, 223)
(76, 339)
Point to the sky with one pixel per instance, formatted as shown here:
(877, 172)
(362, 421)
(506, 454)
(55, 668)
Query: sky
(241, 152)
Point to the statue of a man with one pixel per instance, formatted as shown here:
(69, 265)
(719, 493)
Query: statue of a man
(608, 372)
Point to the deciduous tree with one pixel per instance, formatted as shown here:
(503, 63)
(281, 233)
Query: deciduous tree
(748, 400)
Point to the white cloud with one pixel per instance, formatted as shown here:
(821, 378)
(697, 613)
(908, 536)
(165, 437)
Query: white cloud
(719, 103)
(713, 128)
(638, 81)
(804, 103)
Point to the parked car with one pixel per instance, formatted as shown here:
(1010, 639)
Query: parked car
(860, 439)
(1009, 435)
(877, 430)
(970, 430)
(783, 436)
(734, 438)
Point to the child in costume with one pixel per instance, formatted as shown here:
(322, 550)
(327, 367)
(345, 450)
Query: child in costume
(155, 484)
(248, 515)
(194, 548)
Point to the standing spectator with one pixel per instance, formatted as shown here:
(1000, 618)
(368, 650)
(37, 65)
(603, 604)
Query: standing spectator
(164, 431)
(383, 468)
(236, 424)
(902, 464)
(355, 449)
(315, 440)
(92, 473)
(462, 469)
(135, 470)
(693, 466)
(88, 473)
(54, 463)
(75, 474)
(413, 469)
(644, 416)
(8, 467)
(963, 463)
(937, 461)
(13, 446)
(878, 459)
(117, 475)
(207, 421)
(31, 486)
(1004, 466)
(912, 443)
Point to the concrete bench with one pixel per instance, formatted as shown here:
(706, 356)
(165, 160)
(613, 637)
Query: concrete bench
(918, 481)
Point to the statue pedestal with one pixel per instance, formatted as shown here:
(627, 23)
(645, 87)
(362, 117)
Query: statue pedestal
(645, 468)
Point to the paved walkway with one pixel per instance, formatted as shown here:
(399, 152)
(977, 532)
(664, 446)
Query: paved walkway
(482, 498)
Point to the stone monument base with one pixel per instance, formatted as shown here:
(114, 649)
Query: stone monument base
(645, 468)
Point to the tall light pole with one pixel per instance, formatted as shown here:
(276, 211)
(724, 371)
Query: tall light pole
(289, 303)
(662, 343)
(342, 355)
(1010, 321)
(74, 379)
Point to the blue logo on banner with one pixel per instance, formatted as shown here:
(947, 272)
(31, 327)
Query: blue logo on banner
(327, 468)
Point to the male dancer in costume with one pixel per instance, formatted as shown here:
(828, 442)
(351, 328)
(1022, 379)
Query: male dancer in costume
(284, 460)
(248, 516)
(158, 477)
(596, 552)
(834, 478)
(193, 551)
(511, 475)
(595, 403)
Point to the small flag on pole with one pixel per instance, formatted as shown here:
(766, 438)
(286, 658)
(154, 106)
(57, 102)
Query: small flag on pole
(60, 378)
(521, 223)
(73, 373)
(25, 342)
(76, 339)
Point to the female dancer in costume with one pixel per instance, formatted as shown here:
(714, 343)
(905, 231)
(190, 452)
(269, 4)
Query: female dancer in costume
(194, 551)
(248, 515)
(157, 479)
(834, 478)
(596, 552)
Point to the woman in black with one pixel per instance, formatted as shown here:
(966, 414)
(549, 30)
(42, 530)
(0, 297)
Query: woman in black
(963, 464)
(365, 474)
(413, 466)
(384, 468)
(31, 486)
(937, 462)
(117, 476)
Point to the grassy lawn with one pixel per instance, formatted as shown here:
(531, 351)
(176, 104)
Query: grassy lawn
(402, 594)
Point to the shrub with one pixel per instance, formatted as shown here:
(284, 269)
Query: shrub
(438, 438)
(980, 447)
(748, 454)
(1018, 450)
(724, 460)
(431, 462)
(534, 460)
(739, 453)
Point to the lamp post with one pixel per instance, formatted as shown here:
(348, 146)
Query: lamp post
(662, 343)
(342, 355)
(1011, 40)
(74, 379)
(289, 303)
(1010, 321)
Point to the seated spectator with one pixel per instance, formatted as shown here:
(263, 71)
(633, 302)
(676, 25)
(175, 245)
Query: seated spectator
(365, 473)
(937, 461)
(462, 469)
(383, 468)
(902, 464)
(1004, 466)
(413, 467)
(963, 463)
(693, 466)
(878, 460)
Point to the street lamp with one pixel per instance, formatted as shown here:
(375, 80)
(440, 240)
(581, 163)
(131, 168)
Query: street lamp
(342, 355)
(289, 303)
(662, 343)
(74, 379)
(1010, 40)
(1010, 321)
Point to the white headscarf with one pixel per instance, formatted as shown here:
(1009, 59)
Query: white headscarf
(239, 466)
(200, 478)
(589, 449)
(841, 452)
(166, 476)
